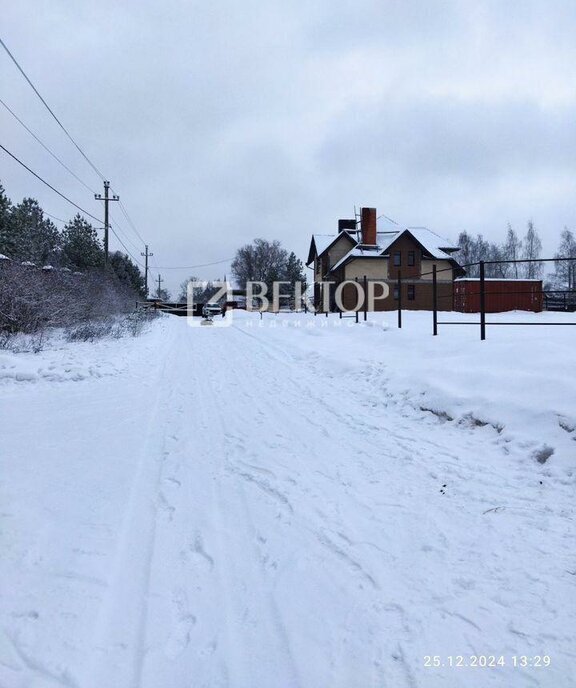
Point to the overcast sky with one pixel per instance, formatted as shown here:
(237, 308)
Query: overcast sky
(218, 122)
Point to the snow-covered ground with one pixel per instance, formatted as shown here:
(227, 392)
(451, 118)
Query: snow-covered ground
(290, 502)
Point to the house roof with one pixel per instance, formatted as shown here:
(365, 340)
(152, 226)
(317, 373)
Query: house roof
(322, 242)
(359, 251)
(432, 243)
(437, 246)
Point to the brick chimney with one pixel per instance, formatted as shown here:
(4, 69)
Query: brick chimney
(368, 224)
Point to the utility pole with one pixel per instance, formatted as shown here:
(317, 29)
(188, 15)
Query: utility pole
(146, 255)
(160, 280)
(106, 198)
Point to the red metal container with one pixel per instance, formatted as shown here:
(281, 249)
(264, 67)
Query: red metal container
(501, 295)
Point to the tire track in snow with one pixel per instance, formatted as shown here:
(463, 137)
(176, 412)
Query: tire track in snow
(269, 653)
(121, 624)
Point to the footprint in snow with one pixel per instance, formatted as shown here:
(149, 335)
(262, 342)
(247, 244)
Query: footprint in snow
(180, 637)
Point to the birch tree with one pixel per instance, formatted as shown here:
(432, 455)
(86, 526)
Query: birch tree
(532, 249)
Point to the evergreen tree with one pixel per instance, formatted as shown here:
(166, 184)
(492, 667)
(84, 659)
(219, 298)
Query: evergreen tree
(127, 272)
(81, 248)
(32, 236)
(294, 271)
(6, 236)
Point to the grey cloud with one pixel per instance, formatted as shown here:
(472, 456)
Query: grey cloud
(219, 122)
(435, 138)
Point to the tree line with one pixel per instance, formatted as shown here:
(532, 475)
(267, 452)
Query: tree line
(268, 262)
(58, 278)
(28, 235)
(527, 248)
(261, 261)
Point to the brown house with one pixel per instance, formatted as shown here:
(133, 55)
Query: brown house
(381, 252)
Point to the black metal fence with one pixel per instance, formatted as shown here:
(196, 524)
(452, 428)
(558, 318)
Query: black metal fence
(567, 302)
(551, 300)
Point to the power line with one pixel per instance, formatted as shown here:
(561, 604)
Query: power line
(124, 233)
(92, 165)
(69, 201)
(63, 164)
(190, 267)
(124, 246)
(54, 217)
(50, 185)
(46, 147)
(137, 248)
(129, 219)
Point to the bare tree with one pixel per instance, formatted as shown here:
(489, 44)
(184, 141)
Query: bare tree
(532, 248)
(512, 251)
(263, 261)
(565, 275)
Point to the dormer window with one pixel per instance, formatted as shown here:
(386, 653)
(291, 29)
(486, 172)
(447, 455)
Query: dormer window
(397, 259)
(411, 257)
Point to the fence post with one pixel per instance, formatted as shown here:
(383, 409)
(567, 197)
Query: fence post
(482, 303)
(434, 300)
(357, 309)
(365, 286)
(399, 299)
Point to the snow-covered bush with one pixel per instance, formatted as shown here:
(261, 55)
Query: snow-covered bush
(32, 299)
(90, 331)
(131, 325)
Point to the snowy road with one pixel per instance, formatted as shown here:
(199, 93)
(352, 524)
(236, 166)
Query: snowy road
(229, 508)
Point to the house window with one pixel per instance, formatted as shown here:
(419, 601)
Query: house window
(396, 293)
(411, 257)
(411, 292)
(397, 259)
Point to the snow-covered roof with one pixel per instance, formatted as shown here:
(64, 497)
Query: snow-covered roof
(47, 268)
(387, 232)
(28, 264)
(386, 224)
(359, 251)
(323, 241)
(437, 246)
(432, 243)
(384, 239)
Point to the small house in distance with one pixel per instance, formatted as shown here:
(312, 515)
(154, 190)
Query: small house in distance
(500, 295)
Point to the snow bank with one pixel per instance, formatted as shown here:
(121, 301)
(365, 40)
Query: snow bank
(519, 381)
(61, 361)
